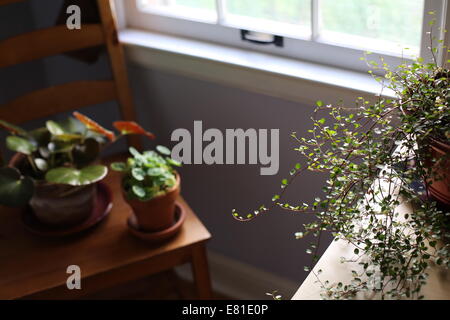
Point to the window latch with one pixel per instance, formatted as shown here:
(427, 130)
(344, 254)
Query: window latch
(262, 38)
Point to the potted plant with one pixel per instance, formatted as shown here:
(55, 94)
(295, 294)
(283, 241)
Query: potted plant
(151, 186)
(377, 156)
(55, 168)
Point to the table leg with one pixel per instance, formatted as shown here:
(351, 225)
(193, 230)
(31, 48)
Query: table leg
(201, 272)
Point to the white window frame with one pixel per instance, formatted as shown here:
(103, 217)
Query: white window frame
(312, 48)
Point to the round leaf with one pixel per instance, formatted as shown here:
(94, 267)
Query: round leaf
(20, 145)
(154, 172)
(41, 164)
(173, 162)
(15, 190)
(131, 127)
(118, 166)
(41, 136)
(134, 152)
(163, 150)
(74, 177)
(138, 174)
(13, 129)
(94, 126)
(138, 191)
(54, 128)
(73, 126)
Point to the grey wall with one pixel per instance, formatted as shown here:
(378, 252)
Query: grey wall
(166, 102)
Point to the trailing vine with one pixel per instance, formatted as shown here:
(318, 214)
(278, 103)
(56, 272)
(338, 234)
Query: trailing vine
(377, 157)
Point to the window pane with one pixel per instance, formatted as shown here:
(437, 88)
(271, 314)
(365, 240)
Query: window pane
(196, 9)
(201, 4)
(268, 13)
(396, 24)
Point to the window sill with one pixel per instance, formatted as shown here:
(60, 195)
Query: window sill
(276, 76)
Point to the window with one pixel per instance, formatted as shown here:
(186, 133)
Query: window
(333, 32)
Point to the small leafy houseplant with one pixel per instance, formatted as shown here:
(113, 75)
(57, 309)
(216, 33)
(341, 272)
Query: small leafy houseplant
(151, 185)
(377, 156)
(54, 168)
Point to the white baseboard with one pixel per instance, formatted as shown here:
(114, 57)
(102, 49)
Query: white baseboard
(241, 281)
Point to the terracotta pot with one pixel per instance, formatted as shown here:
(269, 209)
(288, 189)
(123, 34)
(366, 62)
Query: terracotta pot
(59, 205)
(440, 188)
(158, 213)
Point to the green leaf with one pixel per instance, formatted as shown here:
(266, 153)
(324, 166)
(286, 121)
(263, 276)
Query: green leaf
(15, 190)
(74, 177)
(13, 129)
(319, 103)
(41, 136)
(20, 145)
(138, 174)
(54, 128)
(154, 172)
(138, 191)
(118, 166)
(68, 137)
(73, 126)
(134, 152)
(163, 150)
(173, 162)
(41, 164)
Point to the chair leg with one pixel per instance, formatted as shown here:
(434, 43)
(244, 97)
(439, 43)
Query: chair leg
(201, 272)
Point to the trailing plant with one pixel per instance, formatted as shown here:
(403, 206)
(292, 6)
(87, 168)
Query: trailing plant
(376, 156)
(149, 174)
(61, 153)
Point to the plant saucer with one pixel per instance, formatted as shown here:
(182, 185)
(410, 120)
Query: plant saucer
(158, 236)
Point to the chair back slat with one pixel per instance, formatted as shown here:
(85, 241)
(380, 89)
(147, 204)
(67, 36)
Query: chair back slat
(59, 39)
(48, 42)
(66, 97)
(5, 2)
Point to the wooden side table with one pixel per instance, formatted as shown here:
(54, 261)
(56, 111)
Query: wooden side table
(35, 268)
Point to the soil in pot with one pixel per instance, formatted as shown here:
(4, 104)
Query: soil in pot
(158, 213)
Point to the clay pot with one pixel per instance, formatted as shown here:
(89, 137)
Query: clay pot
(59, 205)
(440, 188)
(158, 213)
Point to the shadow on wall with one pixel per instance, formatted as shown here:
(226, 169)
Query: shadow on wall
(167, 102)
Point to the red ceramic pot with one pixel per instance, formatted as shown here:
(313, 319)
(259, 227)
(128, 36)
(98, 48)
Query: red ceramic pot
(439, 178)
(158, 213)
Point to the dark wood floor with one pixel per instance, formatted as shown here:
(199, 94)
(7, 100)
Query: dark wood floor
(163, 286)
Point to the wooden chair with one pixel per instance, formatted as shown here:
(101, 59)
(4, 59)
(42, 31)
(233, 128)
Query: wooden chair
(108, 255)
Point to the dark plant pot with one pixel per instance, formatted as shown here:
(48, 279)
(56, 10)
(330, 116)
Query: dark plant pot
(439, 178)
(59, 205)
(158, 213)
